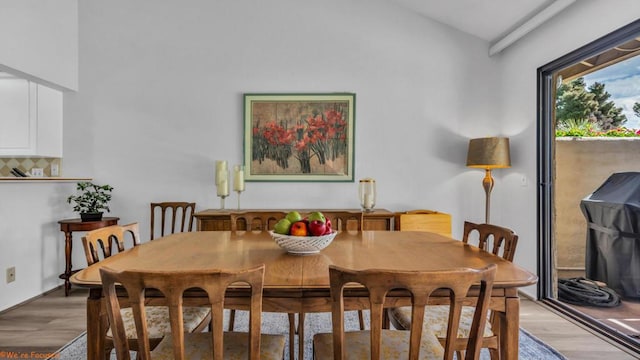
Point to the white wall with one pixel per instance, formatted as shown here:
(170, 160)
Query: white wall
(30, 238)
(580, 24)
(160, 100)
(40, 41)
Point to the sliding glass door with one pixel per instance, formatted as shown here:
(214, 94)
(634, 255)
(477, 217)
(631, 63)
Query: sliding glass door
(574, 105)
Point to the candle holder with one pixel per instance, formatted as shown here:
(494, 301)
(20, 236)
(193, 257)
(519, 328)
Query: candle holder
(367, 194)
(222, 197)
(222, 181)
(238, 181)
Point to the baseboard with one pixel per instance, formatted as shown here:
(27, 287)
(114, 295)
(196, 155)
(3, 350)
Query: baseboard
(526, 296)
(31, 299)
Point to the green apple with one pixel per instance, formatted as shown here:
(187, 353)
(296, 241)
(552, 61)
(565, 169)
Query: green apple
(317, 215)
(282, 227)
(293, 216)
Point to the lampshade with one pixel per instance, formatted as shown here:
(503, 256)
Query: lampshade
(489, 153)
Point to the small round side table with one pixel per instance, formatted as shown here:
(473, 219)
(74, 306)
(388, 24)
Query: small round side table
(68, 226)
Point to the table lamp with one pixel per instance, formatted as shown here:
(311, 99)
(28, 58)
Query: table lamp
(488, 153)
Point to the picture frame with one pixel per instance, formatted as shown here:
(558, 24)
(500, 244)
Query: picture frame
(299, 137)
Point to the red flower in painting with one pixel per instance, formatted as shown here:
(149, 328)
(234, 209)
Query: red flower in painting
(321, 135)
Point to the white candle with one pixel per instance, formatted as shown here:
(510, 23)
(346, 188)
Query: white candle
(368, 201)
(221, 166)
(238, 178)
(223, 185)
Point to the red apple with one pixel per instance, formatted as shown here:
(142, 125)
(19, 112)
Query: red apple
(328, 230)
(299, 228)
(317, 227)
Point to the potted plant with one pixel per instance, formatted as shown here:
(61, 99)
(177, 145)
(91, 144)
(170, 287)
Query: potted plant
(91, 200)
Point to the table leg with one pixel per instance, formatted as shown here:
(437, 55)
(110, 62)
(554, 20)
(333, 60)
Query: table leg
(68, 246)
(96, 326)
(292, 335)
(510, 329)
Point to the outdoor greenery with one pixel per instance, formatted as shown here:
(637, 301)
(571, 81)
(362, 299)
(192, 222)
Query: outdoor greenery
(583, 112)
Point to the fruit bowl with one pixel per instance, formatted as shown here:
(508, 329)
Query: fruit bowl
(302, 245)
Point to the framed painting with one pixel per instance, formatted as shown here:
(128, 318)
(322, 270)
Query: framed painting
(299, 137)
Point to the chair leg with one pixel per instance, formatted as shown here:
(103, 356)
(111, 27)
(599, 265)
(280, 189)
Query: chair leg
(495, 328)
(301, 317)
(386, 322)
(232, 319)
(361, 319)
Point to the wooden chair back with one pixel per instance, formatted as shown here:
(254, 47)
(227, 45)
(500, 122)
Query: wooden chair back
(132, 230)
(344, 220)
(421, 284)
(498, 240)
(173, 285)
(424, 220)
(255, 221)
(174, 217)
(102, 243)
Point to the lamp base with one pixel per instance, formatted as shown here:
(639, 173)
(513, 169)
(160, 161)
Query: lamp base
(487, 184)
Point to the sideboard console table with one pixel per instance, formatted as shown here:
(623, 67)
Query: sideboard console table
(220, 220)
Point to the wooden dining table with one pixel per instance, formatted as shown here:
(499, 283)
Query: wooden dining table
(295, 283)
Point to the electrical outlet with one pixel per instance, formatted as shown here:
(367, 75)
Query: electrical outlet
(37, 172)
(11, 274)
(55, 170)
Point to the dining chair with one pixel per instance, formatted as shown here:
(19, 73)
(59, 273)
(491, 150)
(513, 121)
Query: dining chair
(255, 221)
(259, 221)
(495, 239)
(252, 221)
(105, 242)
(102, 243)
(344, 220)
(499, 241)
(178, 343)
(424, 220)
(175, 216)
(418, 342)
(340, 221)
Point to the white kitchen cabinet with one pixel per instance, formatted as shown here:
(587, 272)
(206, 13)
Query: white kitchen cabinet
(30, 119)
(49, 133)
(17, 122)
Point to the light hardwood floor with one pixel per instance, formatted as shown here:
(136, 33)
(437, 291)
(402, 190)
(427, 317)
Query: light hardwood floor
(50, 321)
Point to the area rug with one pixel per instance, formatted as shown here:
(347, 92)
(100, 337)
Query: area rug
(531, 348)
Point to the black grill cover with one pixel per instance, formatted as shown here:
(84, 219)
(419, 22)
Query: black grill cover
(613, 233)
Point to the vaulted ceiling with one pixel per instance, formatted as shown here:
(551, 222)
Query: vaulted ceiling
(499, 22)
(503, 22)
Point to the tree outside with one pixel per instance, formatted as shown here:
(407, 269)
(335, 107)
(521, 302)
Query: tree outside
(605, 102)
(577, 104)
(583, 110)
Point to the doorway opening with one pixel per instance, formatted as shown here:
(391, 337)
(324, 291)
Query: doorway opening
(576, 106)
